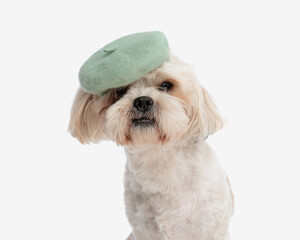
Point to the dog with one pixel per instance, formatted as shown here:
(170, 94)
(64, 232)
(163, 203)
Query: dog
(175, 188)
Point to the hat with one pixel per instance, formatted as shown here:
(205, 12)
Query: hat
(123, 61)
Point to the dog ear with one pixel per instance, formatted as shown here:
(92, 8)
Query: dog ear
(205, 119)
(87, 117)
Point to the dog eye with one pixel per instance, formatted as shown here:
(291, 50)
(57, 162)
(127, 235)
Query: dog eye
(165, 86)
(120, 92)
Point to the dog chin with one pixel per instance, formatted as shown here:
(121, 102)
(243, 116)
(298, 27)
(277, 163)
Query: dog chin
(145, 131)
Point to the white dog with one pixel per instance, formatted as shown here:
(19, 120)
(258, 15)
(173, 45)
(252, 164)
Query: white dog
(175, 188)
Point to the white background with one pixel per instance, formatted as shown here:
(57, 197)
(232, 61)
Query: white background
(246, 54)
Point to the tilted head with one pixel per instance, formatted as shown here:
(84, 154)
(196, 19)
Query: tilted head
(164, 106)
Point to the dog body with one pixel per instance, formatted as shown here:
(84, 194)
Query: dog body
(175, 188)
(175, 192)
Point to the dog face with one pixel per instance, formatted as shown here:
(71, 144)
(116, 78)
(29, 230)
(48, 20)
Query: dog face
(166, 105)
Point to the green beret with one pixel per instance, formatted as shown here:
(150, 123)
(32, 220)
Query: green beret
(123, 61)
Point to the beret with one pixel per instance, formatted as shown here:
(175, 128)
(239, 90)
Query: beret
(123, 61)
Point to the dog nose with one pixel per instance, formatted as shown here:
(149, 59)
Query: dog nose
(143, 103)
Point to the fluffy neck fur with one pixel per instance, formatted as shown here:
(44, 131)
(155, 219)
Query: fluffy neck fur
(170, 168)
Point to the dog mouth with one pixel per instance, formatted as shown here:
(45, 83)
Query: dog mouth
(143, 121)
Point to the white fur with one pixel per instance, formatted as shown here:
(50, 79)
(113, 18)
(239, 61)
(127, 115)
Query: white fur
(175, 188)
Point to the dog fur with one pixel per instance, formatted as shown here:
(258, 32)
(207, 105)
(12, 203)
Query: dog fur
(175, 188)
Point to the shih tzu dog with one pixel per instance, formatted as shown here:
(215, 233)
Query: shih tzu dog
(175, 188)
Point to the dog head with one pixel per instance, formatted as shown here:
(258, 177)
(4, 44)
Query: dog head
(166, 105)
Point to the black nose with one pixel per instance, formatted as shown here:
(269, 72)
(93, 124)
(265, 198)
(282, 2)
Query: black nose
(143, 103)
